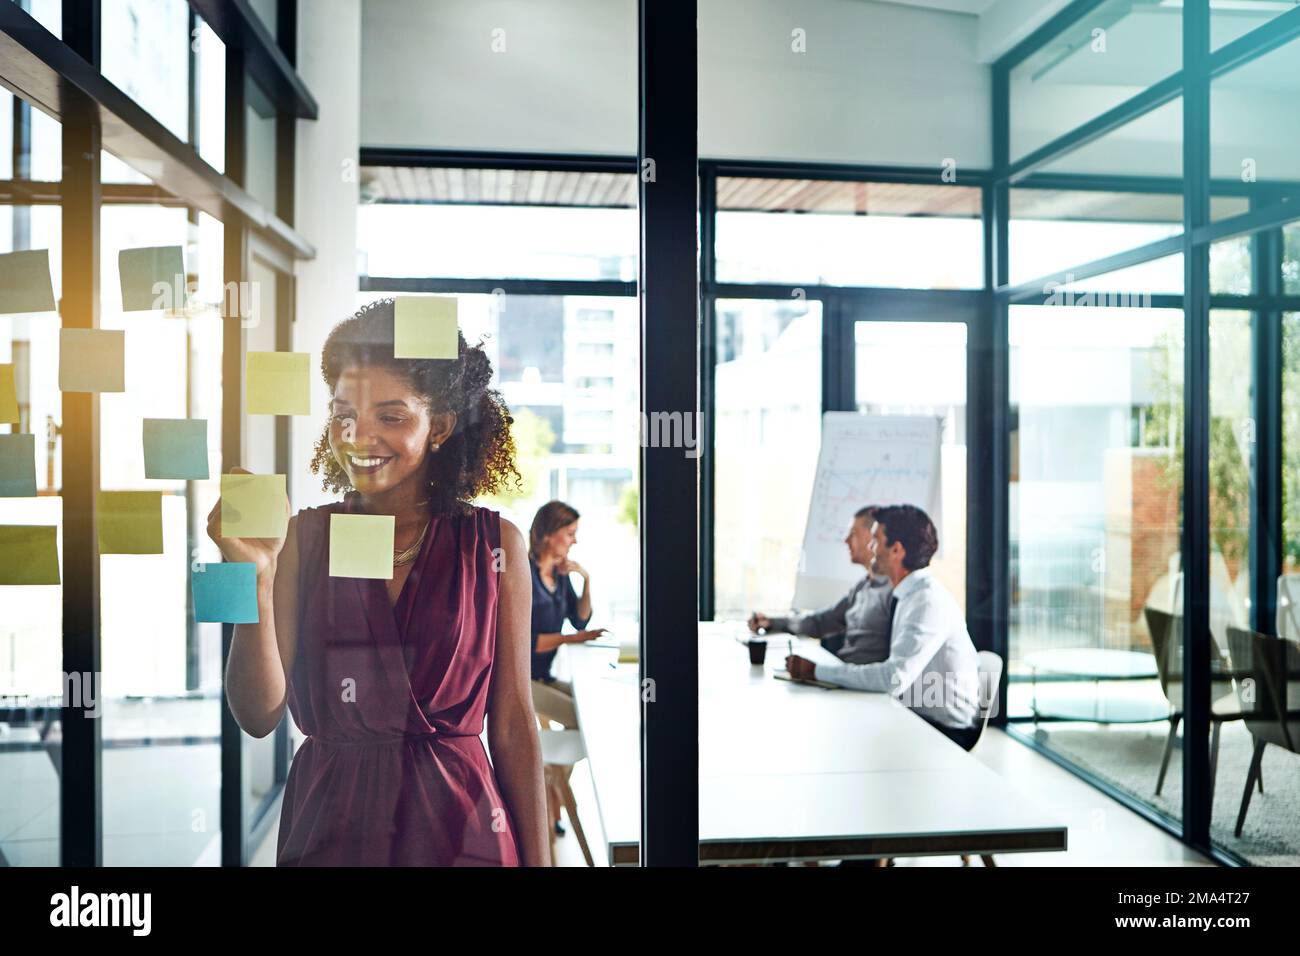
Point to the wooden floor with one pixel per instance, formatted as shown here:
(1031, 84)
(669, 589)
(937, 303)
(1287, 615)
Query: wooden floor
(1102, 833)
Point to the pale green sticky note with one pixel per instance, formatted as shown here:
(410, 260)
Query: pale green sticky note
(130, 522)
(278, 383)
(253, 506)
(25, 282)
(92, 360)
(29, 554)
(424, 326)
(361, 546)
(8, 395)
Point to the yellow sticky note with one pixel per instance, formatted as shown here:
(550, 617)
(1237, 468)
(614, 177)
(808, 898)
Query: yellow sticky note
(278, 383)
(253, 506)
(29, 554)
(92, 360)
(130, 522)
(424, 326)
(361, 546)
(8, 395)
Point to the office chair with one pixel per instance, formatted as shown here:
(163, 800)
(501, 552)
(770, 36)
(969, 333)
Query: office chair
(1269, 702)
(1166, 645)
(990, 679)
(561, 749)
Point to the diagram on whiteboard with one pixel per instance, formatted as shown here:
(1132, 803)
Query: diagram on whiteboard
(864, 460)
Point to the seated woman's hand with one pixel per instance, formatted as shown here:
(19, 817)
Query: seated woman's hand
(759, 621)
(582, 636)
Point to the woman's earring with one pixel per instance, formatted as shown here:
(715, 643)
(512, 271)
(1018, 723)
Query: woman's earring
(434, 446)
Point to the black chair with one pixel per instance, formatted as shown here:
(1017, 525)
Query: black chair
(1167, 646)
(1267, 671)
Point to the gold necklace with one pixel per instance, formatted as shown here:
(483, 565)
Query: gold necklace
(406, 557)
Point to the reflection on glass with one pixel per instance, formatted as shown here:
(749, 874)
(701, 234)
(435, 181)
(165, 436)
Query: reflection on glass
(1151, 145)
(1232, 19)
(1109, 55)
(849, 233)
(768, 432)
(1097, 406)
(919, 368)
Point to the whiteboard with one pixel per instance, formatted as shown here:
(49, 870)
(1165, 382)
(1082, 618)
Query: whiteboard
(864, 460)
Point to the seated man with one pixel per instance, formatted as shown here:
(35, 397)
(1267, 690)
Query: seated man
(861, 616)
(931, 664)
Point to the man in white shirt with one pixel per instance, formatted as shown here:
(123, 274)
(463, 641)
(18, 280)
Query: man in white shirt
(932, 666)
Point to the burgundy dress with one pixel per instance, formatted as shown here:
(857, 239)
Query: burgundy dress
(392, 699)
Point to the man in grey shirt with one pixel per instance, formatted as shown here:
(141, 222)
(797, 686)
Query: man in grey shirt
(861, 616)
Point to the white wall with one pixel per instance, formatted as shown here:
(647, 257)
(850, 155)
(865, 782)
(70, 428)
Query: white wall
(329, 61)
(878, 83)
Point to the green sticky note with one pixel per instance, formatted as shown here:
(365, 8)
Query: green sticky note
(253, 506)
(25, 284)
(8, 395)
(17, 466)
(152, 278)
(130, 522)
(29, 554)
(176, 448)
(425, 327)
(361, 546)
(278, 383)
(92, 360)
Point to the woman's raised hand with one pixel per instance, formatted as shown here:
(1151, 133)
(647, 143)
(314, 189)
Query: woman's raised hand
(260, 552)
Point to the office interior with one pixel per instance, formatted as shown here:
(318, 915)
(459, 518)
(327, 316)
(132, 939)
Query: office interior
(1068, 229)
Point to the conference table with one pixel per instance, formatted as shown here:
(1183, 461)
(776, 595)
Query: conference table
(793, 772)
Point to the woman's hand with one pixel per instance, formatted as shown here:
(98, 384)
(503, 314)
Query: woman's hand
(571, 567)
(580, 637)
(260, 552)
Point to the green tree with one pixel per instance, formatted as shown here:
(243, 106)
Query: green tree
(534, 438)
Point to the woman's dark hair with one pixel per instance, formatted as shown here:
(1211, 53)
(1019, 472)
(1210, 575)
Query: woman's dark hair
(910, 526)
(550, 518)
(478, 458)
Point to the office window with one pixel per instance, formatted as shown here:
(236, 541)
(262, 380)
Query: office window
(1107, 56)
(31, 628)
(1151, 145)
(1291, 442)
(1252, 110)
(1230, 21)
(145, 50)
(1095, 525)
(497, 223)
(849, 233)
(768, 433)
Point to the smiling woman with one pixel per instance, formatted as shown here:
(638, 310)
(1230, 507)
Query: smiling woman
(393, 680)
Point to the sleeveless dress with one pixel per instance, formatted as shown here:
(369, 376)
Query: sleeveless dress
(392, 700)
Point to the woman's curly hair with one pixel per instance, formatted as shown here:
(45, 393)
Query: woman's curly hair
(478, 458)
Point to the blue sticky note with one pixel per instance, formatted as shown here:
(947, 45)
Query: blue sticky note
(225, 593)
(176, 448)
(152, 278)
(17, 466)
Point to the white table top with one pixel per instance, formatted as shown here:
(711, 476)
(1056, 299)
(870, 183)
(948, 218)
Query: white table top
(790, 771)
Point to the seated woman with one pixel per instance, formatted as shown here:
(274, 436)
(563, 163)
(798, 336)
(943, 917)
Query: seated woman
(553, 533)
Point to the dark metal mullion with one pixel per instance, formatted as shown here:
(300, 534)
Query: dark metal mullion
(842, 172)
(438, 284)
(1265, 533)
(234, 778)
(930, 305)
(670, 300)
(1169, 246)
(1197, 807)
(996, 426)
(286, 123)
(708, 388)
(1258, 219)
(1263, 39)
(448, 158)
(81, 773)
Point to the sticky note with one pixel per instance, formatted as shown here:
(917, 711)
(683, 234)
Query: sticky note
(130, 522)
(8, 395)
(29, 554)
(152, 278)
(92, 360)
(17, 466)
(25, 284)
(253, 506)
(225, 593)
(425, 327)
(361, 546)
(277, 383)
(176, 448)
